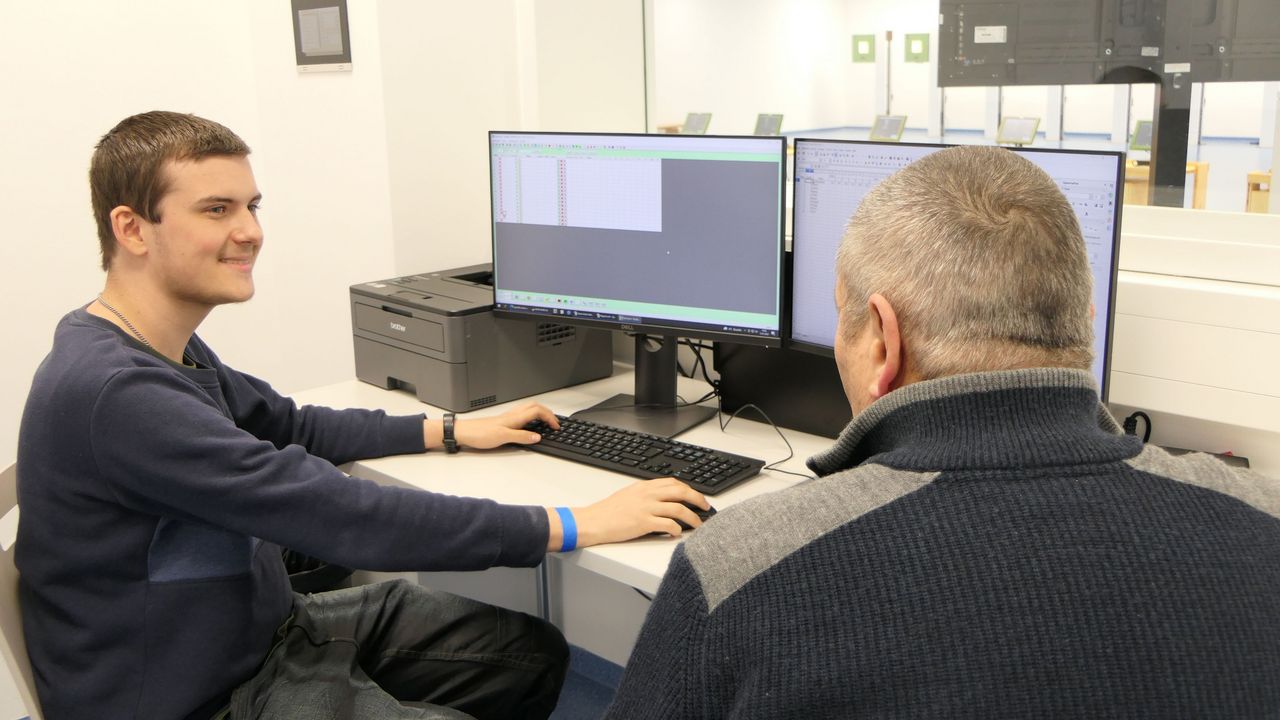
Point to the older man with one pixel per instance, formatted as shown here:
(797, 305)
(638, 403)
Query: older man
(981, 540)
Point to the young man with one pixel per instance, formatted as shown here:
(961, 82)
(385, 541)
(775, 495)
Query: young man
(982, 542)
(158, 486)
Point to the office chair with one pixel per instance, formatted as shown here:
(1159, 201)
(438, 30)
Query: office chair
(12, 645)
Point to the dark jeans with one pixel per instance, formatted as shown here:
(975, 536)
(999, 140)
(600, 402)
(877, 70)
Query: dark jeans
(398, 650)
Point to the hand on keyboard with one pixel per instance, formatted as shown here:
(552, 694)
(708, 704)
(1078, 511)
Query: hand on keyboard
(483, 433)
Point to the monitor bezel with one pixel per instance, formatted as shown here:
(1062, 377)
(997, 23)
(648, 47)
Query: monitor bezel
(660, 328)
(829, 351)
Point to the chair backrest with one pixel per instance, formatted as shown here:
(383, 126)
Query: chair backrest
(12, 646)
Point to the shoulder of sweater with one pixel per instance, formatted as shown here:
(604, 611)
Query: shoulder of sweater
(747, 539)
(1210, 473)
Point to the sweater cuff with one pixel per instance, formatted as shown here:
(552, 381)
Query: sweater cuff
(525, 538)
(403, 435)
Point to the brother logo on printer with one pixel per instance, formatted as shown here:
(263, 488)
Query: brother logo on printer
(398, 327)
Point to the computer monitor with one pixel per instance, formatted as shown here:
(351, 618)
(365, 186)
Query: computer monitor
(888, 128)
(1017, 130)
(833, 176)
(1141, 139)
(696, 124)
(768, 124)
(663, 236)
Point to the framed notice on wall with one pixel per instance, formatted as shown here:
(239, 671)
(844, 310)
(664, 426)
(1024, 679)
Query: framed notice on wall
(321, 35)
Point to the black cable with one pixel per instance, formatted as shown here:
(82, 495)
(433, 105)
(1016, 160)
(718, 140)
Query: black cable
(714, 392)
(1131, 425)
(699, 361)
(643, 594)
(790, 450)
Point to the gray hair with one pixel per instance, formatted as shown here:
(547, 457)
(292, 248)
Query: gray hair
(981, 257)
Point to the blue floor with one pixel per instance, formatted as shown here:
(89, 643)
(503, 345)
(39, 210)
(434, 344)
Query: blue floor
(588, 688)
(1230, 159)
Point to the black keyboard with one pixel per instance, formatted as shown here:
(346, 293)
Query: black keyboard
(644, 456)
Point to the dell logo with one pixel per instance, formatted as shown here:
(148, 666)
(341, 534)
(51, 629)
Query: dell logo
(628, 327)
(398, 327)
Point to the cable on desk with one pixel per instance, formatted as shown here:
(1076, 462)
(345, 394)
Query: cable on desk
(790, 450)
(1131, 425)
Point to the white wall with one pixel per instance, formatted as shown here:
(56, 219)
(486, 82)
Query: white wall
(91, 68)
(449, 79)
(965, 108)
(511, 65)
(736, 59)
(1087, 108)
(1233, 110)
(1025, 101)
(589, 65)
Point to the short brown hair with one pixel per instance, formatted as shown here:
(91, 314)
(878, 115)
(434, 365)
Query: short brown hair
(128, 164)
(982, 258)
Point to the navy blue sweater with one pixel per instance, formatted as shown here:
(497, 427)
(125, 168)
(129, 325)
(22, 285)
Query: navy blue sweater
(155, 499)
(979, 546)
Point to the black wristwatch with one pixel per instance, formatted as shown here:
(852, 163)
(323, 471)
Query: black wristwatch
(450, 442)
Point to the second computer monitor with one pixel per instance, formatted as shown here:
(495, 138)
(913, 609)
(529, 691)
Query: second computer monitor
(659, 235)
(833, 176)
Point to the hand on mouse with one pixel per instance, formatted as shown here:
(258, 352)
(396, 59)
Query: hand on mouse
(644, 507)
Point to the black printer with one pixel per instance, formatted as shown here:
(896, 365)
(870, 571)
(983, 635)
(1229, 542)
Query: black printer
(435, 334)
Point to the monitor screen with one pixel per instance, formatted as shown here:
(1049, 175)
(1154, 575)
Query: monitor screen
(663, 235)
(670, 234)
(832, 177)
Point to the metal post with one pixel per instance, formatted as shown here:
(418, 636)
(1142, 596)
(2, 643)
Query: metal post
(1169, 141)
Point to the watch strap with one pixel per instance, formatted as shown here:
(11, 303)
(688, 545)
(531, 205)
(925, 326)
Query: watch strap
(450, 442)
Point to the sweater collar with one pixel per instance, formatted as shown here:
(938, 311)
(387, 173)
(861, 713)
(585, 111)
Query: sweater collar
(999, 419)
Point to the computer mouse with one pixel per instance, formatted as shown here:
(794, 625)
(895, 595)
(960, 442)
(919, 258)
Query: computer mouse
(702, 514)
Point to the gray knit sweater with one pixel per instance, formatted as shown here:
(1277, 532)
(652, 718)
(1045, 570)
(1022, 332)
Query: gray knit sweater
(978, 546)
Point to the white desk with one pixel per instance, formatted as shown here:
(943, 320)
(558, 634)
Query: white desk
(586, 592)
(516, 476)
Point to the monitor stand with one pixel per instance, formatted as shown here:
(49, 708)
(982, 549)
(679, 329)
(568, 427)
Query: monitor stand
(653, 409)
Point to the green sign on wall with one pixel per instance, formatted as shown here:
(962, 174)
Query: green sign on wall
(916, 48)
(864, 48)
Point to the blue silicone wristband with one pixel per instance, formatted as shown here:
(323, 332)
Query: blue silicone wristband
(570, 528)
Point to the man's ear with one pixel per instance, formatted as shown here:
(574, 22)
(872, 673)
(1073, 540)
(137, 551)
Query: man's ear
(887, 350)
(128, 228)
